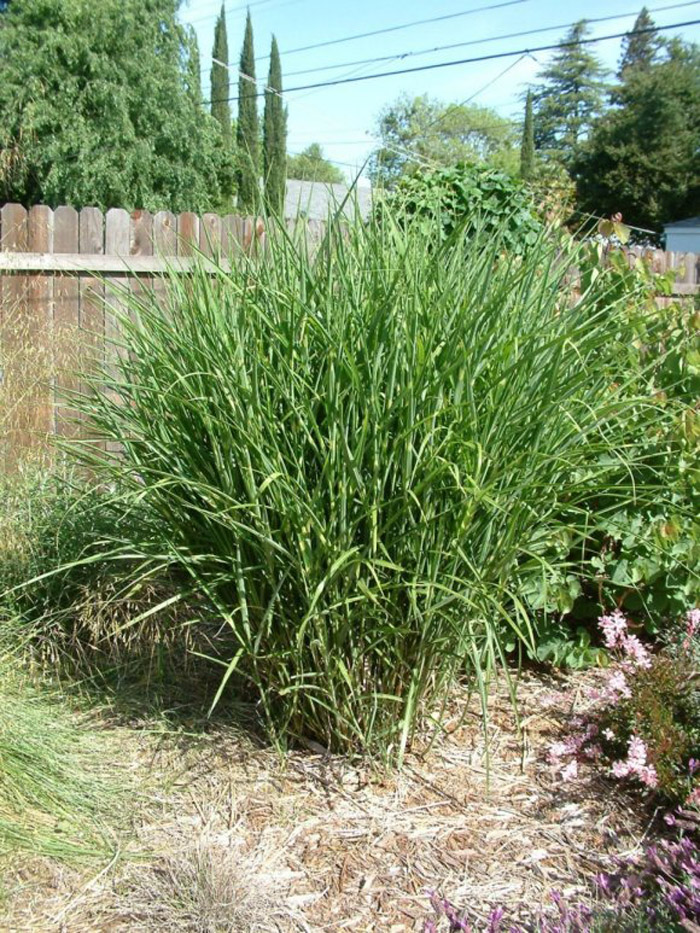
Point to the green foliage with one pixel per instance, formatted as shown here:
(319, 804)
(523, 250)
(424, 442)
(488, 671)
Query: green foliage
(416, 131)
(351, 457)
(643, 155)
(472, 197)
(640, 50)
(664, 711)
(220, 79)
(310, 165)
(648, 555)
(55, 798)
(98, 106)
(569, 98)
(527, 148)
(274, 136)
(559, 646)
(247, 129)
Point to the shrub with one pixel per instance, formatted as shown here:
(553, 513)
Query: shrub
(468, 197)
(356, 459)
(645, 722)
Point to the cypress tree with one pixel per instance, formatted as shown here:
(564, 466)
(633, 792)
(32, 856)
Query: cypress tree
(220, 106)
(247, 130)
(527, 149)
(275, 135)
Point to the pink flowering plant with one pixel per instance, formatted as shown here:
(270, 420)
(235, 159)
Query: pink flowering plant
(644, 723)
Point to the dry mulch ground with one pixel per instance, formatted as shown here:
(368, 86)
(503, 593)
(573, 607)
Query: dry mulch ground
(229, 837)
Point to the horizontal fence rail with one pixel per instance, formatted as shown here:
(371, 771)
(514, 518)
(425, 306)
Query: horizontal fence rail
(58, 311)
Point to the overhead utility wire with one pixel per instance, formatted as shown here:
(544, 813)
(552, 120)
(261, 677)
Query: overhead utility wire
(386, 29)
(480, 58)
(242, 7)
(459, 45)
(377, 32)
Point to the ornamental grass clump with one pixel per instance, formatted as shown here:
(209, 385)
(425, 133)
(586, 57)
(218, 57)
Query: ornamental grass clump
(355, 455)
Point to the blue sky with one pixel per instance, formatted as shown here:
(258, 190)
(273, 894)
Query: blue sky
(343, 118)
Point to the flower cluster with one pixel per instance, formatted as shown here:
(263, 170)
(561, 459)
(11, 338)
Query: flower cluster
(617, 637)
(644, 722)
(666, 880)
(636, 764)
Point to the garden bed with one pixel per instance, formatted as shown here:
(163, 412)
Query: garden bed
(228, 836)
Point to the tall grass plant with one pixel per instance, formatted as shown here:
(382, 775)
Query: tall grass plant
(357, 454)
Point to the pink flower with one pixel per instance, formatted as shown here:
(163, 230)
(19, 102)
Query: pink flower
(693, 621)
(636, 764)
(635, 650)
(647, 775)
(620, 769)
(609, 734)
(570, 772)
(637, 753)
(613, 627)
(617, 687)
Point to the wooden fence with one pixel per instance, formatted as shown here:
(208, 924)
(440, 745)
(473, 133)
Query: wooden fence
(57, 309)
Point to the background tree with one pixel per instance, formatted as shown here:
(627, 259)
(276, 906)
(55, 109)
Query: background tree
(274, 135)
(310, 165)
(193, 69)
(419, 131)
(96, 107)
(570, 97)
(643, 157)
(220, 78)
(248, 130)
(641, 47)
(527, 148)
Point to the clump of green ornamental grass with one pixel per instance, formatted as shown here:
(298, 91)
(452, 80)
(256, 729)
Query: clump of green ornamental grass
(56, 796)
(356, 455)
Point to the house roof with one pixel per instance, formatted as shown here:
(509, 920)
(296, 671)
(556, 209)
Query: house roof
(316, 199)
(690, 222)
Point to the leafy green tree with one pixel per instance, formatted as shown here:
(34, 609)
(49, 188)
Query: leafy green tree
(527, 148)
(421, 131)
(248, 129)
(640, 48)
(97, 107)
(220, 106)
(643, 157)
(570, 97)
(274, 135)
(310, 165)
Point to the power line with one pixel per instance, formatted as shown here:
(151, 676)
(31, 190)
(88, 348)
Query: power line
(228, 10)
(386, 29)
(481, 58)
(458, 45)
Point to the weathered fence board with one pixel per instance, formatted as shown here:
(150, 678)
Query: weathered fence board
(63, 276)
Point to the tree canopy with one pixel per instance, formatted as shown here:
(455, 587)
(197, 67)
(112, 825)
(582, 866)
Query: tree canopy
(311, 165)
(570, 96)
(420, 131)
(643, 156)
(97, 106)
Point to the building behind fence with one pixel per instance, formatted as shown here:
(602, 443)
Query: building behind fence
(57, 309)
